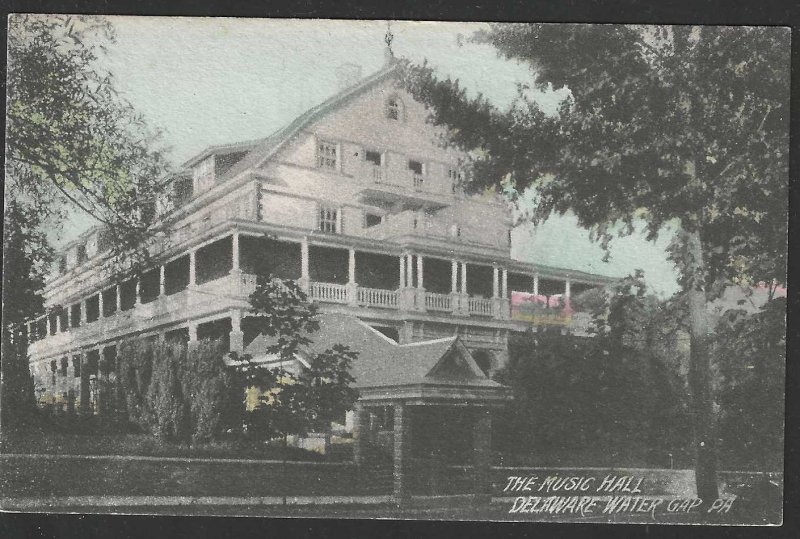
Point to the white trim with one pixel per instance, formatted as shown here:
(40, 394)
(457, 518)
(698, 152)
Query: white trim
(434, 341)
(381, 335)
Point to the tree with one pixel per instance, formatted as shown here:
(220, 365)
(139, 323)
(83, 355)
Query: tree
(71, 143)
(328, 395)
(750, 354)
(679, 126)
(618, 393)
(70, 136)
(174, 392)
(25, 257)
(295, 400)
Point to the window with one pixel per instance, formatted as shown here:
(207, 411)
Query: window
(82, 253)
(182, 191)
(373, 157)
(455, 178)
(64, 366)
(76, 366)
(394, 108)
(104, 240)
(326, 155)
(328, 219)
(417, 169)
(372, 219)
(75, 315)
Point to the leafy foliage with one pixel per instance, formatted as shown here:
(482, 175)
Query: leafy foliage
(676, 126)
(751, 359)
(294, 400)
(25, 258)
(71, 137)
(175, 393)
(663, 125)
(619, 392)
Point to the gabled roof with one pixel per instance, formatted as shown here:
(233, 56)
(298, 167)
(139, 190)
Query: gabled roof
(382, 362)
(260, 150)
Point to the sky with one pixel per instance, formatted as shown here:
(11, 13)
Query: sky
(208, 81)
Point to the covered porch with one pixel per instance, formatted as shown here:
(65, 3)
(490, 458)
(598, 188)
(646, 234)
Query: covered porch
(429, 419)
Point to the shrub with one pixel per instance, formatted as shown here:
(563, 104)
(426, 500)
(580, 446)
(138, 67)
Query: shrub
(178, 394)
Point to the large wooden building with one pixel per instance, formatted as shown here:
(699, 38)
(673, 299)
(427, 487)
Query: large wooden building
(355, 199)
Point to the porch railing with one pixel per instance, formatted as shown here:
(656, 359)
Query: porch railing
(480, 306)
(329, 292)
(377, 297)
(438, 302)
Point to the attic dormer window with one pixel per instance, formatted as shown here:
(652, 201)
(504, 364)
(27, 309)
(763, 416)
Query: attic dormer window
(394, 108)
(326, 155)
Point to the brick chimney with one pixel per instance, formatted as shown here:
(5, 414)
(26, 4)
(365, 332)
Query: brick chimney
(348, 75)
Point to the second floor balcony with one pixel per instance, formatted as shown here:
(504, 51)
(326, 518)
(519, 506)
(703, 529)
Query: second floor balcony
(221, 275)
(422, 225)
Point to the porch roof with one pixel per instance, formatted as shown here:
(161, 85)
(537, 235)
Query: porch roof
(386, 367)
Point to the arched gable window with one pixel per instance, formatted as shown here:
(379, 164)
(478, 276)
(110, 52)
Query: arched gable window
(394, 108)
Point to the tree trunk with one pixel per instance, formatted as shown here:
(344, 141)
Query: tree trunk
(284, 475)
(328, 444)
(700, 376)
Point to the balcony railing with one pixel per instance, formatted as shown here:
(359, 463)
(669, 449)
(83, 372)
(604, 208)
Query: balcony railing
(438, 302)
(480, 306)
(328, 292)
(377, 297)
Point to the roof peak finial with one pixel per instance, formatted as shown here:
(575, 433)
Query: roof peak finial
(388, 38)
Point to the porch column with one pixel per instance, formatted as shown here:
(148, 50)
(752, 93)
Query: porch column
(235, 252)
(162, 279)
(420, 291)
(138, 291)
(47, 323)
(69, 320)
(352, 287)
(504, 285)
(407, 295)
(360, 432)
(192, 335)
(58, 322)
(481, 457)
(83, 304)
(455, 298)
(85, 405)
(305, 280)
(536, 284)
(119, 299)
(236, 335)
(495, 282)
(464, 278)
(100, 304)
(351, 266)
(567, 295)
(192, 268)
(402, 452)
